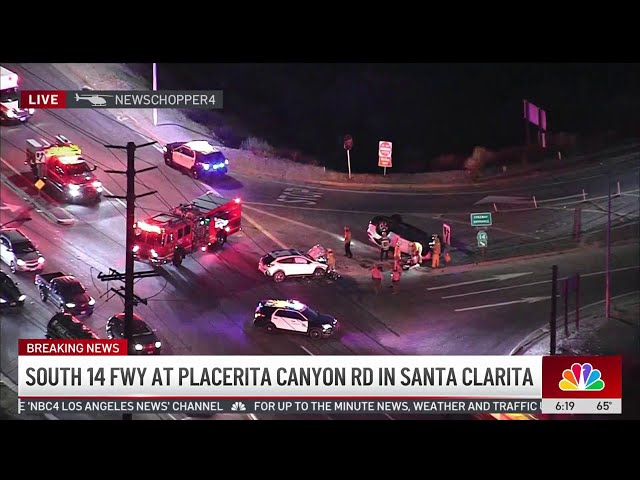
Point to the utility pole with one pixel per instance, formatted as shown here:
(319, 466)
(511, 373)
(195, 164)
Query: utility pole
(130, 299)
(155, 88)
(607, 293)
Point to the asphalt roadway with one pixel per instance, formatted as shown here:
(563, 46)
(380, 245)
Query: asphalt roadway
(206, 306)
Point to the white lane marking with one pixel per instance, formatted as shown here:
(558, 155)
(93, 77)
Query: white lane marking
(119, 200)
(11, 167)
(264, 231)
(501, 277)
(300, 224)
(304, 196)
(493, 227)
(338, 210)
(306, 350)
(508, 200)
(541, 282)
(630, 194)
(501, 304)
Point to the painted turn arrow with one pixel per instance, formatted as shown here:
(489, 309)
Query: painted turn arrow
(522, 300)
(504, 276)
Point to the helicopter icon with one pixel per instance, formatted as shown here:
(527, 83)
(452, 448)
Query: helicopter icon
(95, 99)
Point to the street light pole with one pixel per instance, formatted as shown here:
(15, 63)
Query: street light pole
(155, 88)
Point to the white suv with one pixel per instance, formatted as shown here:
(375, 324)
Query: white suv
(17, 251)
(281, 264)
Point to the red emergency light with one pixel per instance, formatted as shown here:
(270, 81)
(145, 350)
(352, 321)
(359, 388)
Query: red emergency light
(149, 228)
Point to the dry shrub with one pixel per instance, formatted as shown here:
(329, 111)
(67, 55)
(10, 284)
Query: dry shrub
(480, 158)
(448, 161)
(257, 146)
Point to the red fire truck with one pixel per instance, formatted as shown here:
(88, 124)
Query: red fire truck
(63, 168)
(202, 224)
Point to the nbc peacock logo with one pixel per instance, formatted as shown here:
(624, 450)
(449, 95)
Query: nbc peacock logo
(581, 378)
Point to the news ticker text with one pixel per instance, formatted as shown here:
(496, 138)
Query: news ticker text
(282, 406)
(186, 99)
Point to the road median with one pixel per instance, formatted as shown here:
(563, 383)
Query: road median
(53, 213)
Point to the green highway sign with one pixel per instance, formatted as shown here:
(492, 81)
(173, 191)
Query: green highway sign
(483, 238)
(481, 219)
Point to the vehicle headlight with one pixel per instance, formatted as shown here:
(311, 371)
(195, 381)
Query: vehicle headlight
(73, 187)
(32, 111)
(158, 344)
(96, 184)
(164, 149)
(136, 248)
(154, 254)
(327, 326)
(206, 166)
(226, 162)
(40, 259)
(138, 347)
(70, 305)
(92, 301)
(21, 262)
(2, 300)
(22, 298)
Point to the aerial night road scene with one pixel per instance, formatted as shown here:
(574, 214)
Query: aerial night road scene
(480, 210)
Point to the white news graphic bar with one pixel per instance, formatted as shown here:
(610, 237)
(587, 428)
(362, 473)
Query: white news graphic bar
(498, 377)
(595, 406)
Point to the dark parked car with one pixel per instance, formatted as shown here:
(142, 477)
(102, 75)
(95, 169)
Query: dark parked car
(64, 326)
(145, 341)
(10, 295)
(65, 292)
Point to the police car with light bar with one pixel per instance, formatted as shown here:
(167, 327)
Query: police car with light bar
(293, 316)
(9, 95)
(198, 157)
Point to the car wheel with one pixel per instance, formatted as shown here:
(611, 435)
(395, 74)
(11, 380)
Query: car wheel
(12, 267)
(279, 276)
(319, 272)
(168, 161)
(221, 239)
(270, 328)
(43, 295)
(315, 333)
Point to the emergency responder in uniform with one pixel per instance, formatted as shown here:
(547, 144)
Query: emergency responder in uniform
(331, 261)
(418, 247)
(397, 255)
(347, 242)
(376, 277)
(395, 279)
(385, 243)
(435, 253)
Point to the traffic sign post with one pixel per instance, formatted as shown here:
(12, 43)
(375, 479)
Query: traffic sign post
(483, 241)
(348, 145)
(481, 219)
(384, 155)
(446, 234)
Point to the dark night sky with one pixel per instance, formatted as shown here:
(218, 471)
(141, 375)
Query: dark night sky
(425, 109)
